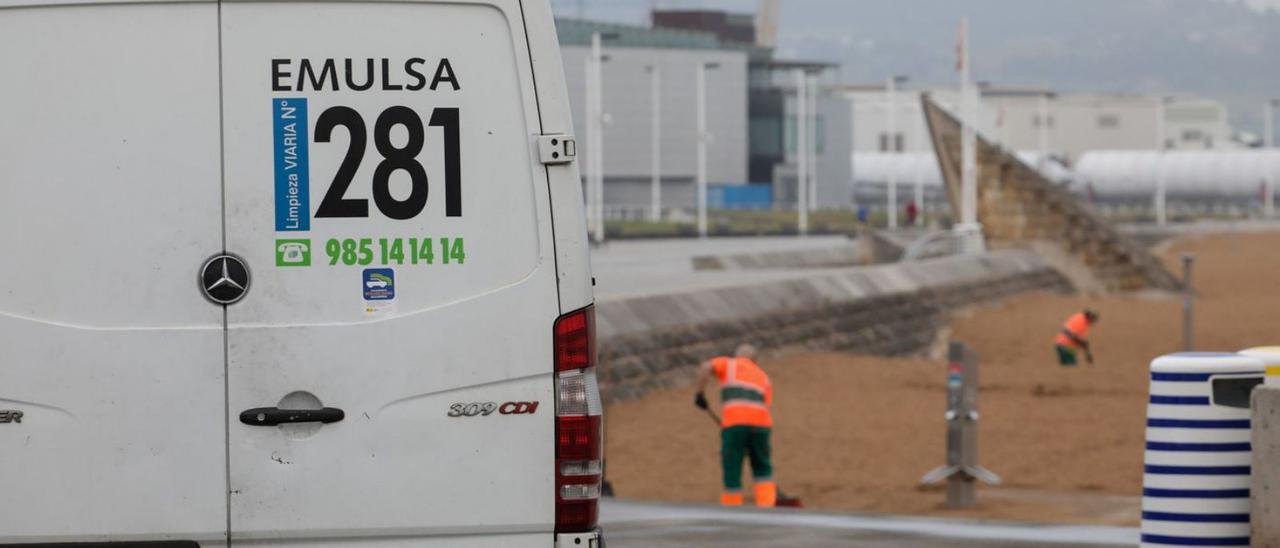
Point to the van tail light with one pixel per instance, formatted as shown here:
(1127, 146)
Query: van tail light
(576, 340)
(579, 463)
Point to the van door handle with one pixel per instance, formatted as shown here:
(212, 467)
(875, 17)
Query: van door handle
(272, 416)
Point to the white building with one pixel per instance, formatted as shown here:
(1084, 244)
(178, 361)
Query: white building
(1077, 122)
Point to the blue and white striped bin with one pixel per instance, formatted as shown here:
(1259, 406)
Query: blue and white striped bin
(1195, 486)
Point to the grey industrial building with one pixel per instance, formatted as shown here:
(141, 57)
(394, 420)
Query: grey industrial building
(630, 53)
(750, 110)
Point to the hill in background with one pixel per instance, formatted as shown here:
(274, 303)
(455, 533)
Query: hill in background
(1220, 49)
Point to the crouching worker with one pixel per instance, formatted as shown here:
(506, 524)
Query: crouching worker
(1074, 336)
(745, 397)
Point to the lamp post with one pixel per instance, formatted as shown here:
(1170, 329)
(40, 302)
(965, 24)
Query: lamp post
(812, 85)
(1161, 182)
(968, 167)
(702, 145)
(1043, 128)
(891, 129)
(917, 139)
(589, 106)
(595, 141)
(655, 142)
(595, 134)
(802, 154)
(853, 149)
(1268, 119)
(1268, 142)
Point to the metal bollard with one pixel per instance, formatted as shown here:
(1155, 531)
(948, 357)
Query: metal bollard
(962, 431)
(1188, 303)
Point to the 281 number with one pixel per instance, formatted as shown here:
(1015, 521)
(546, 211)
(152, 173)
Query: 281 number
(335, 202)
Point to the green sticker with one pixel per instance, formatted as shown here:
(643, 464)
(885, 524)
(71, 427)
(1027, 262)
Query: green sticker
(293, 252)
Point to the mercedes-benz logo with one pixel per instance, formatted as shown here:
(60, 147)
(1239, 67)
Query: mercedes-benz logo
(225, 279)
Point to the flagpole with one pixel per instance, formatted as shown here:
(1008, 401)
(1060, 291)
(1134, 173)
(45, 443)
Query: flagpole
(968, 231)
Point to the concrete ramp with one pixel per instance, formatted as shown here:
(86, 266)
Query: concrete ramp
(1020, 208)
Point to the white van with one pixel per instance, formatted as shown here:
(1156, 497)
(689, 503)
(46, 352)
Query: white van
(300, 273)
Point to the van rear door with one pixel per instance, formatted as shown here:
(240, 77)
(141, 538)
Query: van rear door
(383, 187)
(111, 359)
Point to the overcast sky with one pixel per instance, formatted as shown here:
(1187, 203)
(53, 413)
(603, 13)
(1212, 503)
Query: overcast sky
(1225, 49)
(635, 10)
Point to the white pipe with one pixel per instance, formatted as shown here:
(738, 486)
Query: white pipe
(655, 143)
(1232, 174)
(702, 150)
(802, 154)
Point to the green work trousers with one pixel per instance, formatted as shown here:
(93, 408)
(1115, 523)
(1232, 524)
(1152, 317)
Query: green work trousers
(751, 442)
(1066, 355)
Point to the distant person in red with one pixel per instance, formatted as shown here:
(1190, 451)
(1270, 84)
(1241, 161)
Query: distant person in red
(912, 212)
(1074, 338)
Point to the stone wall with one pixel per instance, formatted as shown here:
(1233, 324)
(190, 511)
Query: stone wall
(1018, 207)
(655, 342)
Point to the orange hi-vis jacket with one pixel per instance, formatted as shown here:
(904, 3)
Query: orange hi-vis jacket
(1078, 325)
(745, 392)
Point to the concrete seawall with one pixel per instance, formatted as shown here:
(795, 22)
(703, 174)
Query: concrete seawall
(873, 247)
(655, 341)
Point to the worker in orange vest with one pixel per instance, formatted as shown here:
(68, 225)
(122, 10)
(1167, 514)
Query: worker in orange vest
(745, 396)
(1074, 337)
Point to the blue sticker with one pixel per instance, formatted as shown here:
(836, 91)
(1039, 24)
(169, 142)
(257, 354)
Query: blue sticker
(293, 189)
(379, 284)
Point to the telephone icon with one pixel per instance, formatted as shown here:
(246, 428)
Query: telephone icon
(293, 253)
